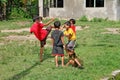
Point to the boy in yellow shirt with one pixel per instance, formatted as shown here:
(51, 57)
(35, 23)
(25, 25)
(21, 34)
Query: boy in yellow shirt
(70, 34)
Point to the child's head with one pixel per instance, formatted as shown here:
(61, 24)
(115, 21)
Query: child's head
(57, 24)
(37, 18)
(72, 21)
(67, 24)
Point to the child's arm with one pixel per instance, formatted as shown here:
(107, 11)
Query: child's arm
(62, 27)
(52, 41)
(68, 36)
(62, 39)
(68, 63)
(50, 21)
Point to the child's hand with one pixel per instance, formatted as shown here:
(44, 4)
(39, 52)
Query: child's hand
(52, 19)
(64, 46)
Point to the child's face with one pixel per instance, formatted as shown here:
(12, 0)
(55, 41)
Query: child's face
(66, 26)
(71, 22)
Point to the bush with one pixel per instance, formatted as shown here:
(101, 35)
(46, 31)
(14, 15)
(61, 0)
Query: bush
(18, 13)
(95, 19)
(83, 18)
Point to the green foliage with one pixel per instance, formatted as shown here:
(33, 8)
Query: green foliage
(83, 18)
(95, 19)
(17, 13)
(17, 9)
(3, 1)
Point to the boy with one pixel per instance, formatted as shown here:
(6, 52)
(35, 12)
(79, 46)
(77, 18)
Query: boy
(69, 33)
(40, 33)
(72, 22)
(58, 42)
(74, 61)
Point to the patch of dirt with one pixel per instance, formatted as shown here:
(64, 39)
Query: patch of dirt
(81, 27)
(1, 43)
(21, 38)
(22, 23)
(112, 31)
(17, 30)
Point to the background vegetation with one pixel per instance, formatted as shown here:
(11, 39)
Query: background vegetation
(10, 9)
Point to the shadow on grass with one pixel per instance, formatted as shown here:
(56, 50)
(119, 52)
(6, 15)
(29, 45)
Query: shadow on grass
(99, 45)
(23, 73)
(107, 45)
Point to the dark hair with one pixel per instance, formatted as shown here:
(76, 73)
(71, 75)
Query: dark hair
(67, 23)
(36, 18)
(73, 21)
(57, 24)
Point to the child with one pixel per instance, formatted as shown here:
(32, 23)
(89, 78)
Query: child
(74, 61)
(40, 33)
(70, 35)
(58, 42)
(72, 22)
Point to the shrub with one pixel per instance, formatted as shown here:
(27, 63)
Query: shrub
(95, 19)
(83, 18)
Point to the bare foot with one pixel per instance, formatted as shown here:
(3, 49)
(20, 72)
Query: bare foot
(41, 60)
(56, 65)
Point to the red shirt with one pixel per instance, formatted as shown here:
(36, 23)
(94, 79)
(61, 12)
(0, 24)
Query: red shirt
(38, 31)
(73, 28)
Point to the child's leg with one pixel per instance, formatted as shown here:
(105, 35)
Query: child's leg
(70, 62)
(67, 63)
(62, 60)
(79, 65)
(76, 60)
(42, 43)
(41, 53)
(48, 30)
(56, 60)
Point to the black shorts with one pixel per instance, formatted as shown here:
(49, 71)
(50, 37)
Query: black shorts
(43, 42)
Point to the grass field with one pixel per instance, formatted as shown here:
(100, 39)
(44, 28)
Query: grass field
(19, 59)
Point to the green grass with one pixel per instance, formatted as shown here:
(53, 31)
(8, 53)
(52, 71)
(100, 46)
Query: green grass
(19, 60)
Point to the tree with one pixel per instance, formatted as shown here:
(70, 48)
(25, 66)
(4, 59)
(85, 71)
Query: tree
(3, 5)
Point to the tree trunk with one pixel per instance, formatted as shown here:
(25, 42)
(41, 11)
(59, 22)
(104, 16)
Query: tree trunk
(4, 10)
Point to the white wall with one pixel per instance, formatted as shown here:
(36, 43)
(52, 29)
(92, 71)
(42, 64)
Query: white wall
(77, 8)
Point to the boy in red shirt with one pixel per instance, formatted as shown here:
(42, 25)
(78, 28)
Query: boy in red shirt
(40, 33)
(72, 22)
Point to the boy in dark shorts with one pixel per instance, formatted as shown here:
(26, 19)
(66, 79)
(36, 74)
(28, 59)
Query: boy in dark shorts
(58, 42)
(40, 33)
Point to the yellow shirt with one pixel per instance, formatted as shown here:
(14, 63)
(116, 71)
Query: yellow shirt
(70, 32)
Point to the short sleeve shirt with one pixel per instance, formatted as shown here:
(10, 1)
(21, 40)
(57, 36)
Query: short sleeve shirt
(70, 32)
(56, 36)
(73, 28)
(40, 33)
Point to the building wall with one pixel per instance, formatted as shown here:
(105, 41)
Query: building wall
(108, 11)
(118, 9)
(72, 8)
(40, 7)
(77, 9)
